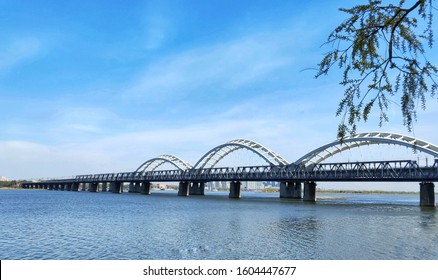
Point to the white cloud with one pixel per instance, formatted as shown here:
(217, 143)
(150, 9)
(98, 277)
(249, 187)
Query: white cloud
(18, 51)
(221, 67)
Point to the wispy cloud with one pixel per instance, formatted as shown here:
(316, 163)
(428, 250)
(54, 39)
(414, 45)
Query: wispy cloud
(218, 67)
(18, 51)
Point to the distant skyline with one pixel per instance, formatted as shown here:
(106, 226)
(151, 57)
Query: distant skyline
(101, 86)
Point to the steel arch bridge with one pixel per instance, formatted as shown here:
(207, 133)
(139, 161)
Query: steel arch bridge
(306, 170)
(212, 157)
(154, 163)
(316, 156)
(368, 138)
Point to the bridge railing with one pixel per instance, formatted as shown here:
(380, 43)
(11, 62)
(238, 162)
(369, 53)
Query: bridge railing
(400, 170)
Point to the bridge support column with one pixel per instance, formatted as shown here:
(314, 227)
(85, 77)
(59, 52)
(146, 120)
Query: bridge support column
(67, 187)
(427, 194)
(50, 187)
(104, 186)
(93, 187)
(197, 188)
(309, 191)
(61, 187)
(84, 186)
(290, 190)
(75, 187)
(234, 189)
(116, 187)
(132, 188)
(183, 189)
(55, 187)
(145, 187)
(137, 187)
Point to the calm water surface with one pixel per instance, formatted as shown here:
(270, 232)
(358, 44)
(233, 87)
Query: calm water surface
(41, 224)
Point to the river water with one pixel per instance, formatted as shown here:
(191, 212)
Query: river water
(42, 224)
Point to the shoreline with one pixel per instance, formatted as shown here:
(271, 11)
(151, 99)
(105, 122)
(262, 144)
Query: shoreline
(366, 192)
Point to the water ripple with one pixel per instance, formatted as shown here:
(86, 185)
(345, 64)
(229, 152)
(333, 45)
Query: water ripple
(66, 225)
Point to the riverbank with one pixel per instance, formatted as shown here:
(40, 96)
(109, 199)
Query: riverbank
(330, 191)
(365, 192)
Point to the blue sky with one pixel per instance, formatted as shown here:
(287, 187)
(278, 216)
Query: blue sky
(102, 86)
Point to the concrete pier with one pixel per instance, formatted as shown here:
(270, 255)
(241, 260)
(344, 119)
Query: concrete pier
(145, 188)
(132, 188)
(290, 189)
(197, 188)
(93, 187)
(309, 191)
(183, 189)
(104, 187)
(84, 187)
(427, 194)
(137, 187)
(116, 187)
(234, 189)
(75, 187)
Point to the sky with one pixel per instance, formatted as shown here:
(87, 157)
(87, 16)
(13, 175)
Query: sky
(101, 86)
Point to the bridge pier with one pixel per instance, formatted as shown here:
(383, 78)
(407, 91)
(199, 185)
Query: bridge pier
(197, 188)
(116, 187)
(75, 187)
(132, 188)
(309, 191)
(104, 186)
(93, 187)
(234, 189)
(84, 185)
(137, 186)
(427, 194)
(290, 189)
(183, 189)
(145, 187)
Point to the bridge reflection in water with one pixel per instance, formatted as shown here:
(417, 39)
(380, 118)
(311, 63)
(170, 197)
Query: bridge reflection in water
(297, 179)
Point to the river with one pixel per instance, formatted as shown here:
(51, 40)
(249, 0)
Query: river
(42, 224)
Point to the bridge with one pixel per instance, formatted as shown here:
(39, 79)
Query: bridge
(297, 179)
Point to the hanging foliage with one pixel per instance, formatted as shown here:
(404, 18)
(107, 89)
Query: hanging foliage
(381, 50)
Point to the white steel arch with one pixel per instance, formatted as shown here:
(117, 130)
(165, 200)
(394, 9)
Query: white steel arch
(212, 157)
(154, 163)
(366, 138)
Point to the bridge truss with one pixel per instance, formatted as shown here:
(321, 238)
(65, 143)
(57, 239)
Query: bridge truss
(362, 139)
(394, 171)
(215, 155)
(154, 163)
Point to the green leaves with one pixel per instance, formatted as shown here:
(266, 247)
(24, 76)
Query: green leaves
(381, 52)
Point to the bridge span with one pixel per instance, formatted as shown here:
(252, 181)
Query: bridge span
(297, 180)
